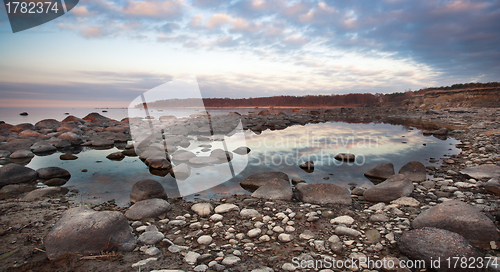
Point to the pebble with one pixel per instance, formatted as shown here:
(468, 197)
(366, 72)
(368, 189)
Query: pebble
(254, 232)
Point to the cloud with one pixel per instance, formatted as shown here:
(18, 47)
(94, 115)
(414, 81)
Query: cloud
(196, 21)
(218, 20)
(241, 25)
(296, 40)
(81, 11)
(93, 32)
(154, 9)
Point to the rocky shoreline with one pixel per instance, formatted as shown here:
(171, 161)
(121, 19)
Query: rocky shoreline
(248, 232)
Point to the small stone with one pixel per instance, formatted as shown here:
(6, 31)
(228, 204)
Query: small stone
(340, 230)
(191, 257)
(204, 240)
(283, 237)
(345, 219)
(152, 251)
(254, 232)
(224, 208)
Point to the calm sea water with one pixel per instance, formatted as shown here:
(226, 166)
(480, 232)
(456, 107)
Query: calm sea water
(278, 150)
(11, 115)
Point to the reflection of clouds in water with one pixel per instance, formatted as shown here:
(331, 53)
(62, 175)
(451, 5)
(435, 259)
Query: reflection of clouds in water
(118, 177)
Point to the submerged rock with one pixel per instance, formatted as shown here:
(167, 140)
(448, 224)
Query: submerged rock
(345, 157)
(84, 231)
(53, 172)
(392, 188)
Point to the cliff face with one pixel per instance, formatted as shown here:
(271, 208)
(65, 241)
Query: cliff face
(463, 98)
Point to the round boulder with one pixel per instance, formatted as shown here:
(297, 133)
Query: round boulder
(324, 193)
(84, 231)
(392, 188)
(71, 137)
(149, 208)
(275, 189)
(21, 127)
(13, 173)
(414, 170)
(53, 172)
(146, 189)
(458, 217)
(48, 124)
(432, 245)
(382, 171)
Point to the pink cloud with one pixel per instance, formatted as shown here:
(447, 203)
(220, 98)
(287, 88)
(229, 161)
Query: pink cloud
(154, 9)
(218, 20)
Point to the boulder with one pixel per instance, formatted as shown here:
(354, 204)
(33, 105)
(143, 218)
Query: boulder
(13, 173)
(392, 188)
(45, 192)
(55, 182)
(53, 172)
(147, 189)
(21, 127)
(28, 133)
(414, 170)
(148, 208)
(275, 189)
(482, 171)
(382, 171)
(158, 163)
(71, 137)
(72, 118)
(181, 171)
(492, 186)
(202, 209)
(242, 150)
(43, 148)
(345, 157)
(432, 245)
(22, 154)
(96, 117)
(68, 157)
(441, 131)
(324, 193)
(307, 166)
(84, 231)
(18, 144)
(458, 217)
(253, 182)
(116, 156)
(48, 124)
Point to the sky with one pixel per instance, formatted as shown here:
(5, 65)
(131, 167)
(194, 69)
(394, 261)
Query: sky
(105, 53)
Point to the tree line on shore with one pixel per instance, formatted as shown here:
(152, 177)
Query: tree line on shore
(353, 99)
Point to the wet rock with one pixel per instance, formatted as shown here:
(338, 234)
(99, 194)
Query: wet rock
(84, 231)
(21, 127)
(275, 189)
(116, 156)
(296, 181)
(324, 193)
(482, 171)
(431, 244)
(74, 119)
(458, 217)
(308, 165)
(253, 182)
(96, 117)
(441, 131)
(18, 144)
(147, 189)
(181, 171)
(43, 148)
(13, 173)
(22, 154)
(55, 182)
(45, 192)
(382, 171)
(53, 172)
(48, 124)
(345, 157)
(202, 209)
(149, 208)
(72, 138)
(392, 188)
(160, 163)
(103, 143)
(414, 170)
(68, 157)
(242, 150)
